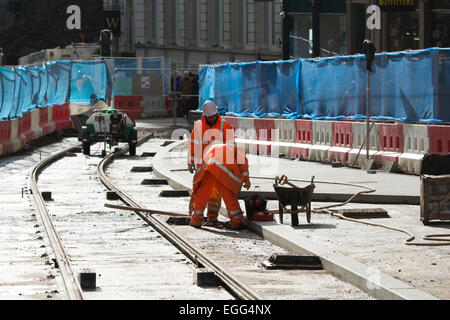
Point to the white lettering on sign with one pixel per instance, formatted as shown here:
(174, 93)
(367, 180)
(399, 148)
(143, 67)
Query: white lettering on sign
(374, 20)
(74, 20)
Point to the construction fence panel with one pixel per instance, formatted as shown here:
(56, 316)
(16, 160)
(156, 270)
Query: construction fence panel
(405, 86)
(25, 88)
(141, 85)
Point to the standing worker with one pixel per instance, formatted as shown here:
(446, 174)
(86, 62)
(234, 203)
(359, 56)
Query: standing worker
(225, 169)
(209, 130)
(186, 92)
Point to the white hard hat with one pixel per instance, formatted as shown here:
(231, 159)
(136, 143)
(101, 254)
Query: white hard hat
(209, 108)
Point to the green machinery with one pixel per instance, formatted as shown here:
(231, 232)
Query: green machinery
(110, 126)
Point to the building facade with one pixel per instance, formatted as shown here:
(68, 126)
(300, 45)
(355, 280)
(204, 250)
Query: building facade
(339, 26)
(195, 32)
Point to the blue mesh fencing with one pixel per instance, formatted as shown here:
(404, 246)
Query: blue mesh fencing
(24, 88)
(7, 92)
(123, 70)
(405, 86)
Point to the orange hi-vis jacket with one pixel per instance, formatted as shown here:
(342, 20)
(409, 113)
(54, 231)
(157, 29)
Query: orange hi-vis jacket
(204, 135)
(227, 163)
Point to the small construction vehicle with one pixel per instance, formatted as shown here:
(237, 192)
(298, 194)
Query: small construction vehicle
(110, 126)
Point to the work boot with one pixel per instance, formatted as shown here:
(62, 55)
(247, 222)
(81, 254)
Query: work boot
(197, 226)
(211, 222)
(240, 226)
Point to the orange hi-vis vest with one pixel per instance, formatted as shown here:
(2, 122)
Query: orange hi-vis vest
(204, 135)
(227, 163)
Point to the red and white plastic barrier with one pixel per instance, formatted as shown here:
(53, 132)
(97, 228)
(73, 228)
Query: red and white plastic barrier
(358, 154)
(246, 135)
(5, 136)
(265, 132)
(415, 146)
(45, 121)
(132, 105)
(25, 127)
(17, 142)
(391, 142)
(61, 116)
(439, 139)
(15, 133)
(342, 141)
(284, 134)
(35, 124)
(322, 141)
(303, 138)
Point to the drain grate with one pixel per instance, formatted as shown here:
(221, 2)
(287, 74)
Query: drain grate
(293, 262)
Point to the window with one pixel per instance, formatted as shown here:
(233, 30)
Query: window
(333, 35)
(403, 31)
(215, 23)
(170, 18)
(301, 35)
(150, 20)
(264, 24)
(191, 22)
(238, 24)
(440, 33)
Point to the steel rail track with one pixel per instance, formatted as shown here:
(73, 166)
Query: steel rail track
(236, 287)
(72, 286)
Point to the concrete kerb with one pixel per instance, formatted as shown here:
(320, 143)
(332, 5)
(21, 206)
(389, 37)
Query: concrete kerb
(364, 277)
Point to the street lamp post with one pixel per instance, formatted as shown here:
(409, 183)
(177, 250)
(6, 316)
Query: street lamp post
(315, 5)
(369, 51)
(286, 29)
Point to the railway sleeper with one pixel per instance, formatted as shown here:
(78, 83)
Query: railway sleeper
(203, 277)
(292, 262)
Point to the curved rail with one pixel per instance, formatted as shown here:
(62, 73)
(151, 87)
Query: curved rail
(238, 289)
(70, 281)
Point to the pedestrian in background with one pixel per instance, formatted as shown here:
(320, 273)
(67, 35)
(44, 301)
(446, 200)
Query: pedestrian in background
(186, 92)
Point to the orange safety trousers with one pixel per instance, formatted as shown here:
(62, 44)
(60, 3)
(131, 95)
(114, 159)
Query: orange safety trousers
(214, 202)
(202, 196)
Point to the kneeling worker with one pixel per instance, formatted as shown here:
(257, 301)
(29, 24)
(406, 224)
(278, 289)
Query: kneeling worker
(225, 168)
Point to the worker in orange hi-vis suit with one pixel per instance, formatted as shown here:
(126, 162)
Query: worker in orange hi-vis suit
(211, 129)
(225, 168)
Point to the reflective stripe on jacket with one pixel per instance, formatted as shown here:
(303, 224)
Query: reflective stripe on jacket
(227, 163)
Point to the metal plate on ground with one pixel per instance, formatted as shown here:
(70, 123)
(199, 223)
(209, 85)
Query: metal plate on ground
(365, 213)
(154, 182)
(174, 193)
(179, 221)
(148, 154)
(166, 143)
(142, 169)
(293, 262)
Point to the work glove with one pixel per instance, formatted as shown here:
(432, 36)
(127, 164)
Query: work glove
(191, 168)
(247, 184)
